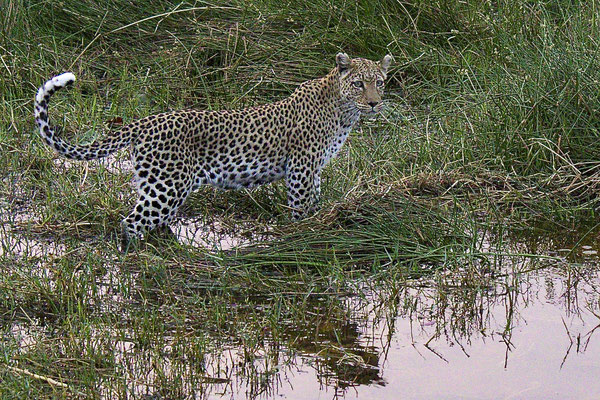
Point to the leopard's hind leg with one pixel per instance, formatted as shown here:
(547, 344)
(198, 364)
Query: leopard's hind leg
(161, 193)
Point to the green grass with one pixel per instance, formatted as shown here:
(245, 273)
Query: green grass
(492, 116)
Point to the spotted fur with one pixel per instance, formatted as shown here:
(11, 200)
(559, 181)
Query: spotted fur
(176, 152)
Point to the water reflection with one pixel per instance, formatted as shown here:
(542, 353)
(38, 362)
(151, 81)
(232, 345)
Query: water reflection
(509, 327)
(532, 336)
(524, 328)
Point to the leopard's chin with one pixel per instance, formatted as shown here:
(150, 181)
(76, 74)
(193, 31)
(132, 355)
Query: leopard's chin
(369, 111)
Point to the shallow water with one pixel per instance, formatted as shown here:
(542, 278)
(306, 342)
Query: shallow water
(196, 232)
(531, 344)
(533, 332)
(523, 328)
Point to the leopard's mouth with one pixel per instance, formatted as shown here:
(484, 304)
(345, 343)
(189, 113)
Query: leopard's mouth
(368, 110)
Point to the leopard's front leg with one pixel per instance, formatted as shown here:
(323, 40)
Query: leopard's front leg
(304, 188)
(317, 191)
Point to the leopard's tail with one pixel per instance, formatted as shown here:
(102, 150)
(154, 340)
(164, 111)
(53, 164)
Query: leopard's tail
(98, 149)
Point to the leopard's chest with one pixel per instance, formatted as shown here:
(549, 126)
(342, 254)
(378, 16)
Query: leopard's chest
(347, 121)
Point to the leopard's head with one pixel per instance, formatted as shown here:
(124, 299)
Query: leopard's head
(362, 81)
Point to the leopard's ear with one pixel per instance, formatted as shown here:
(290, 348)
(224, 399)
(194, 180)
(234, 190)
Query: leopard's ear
(385, 63)
(343, 63)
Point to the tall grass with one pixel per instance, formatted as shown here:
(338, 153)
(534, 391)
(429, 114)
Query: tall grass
(512, 83)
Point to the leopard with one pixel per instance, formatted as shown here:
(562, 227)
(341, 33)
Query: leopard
(175, 153)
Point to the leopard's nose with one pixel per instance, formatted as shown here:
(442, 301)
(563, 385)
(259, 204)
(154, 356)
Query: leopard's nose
(373, 103)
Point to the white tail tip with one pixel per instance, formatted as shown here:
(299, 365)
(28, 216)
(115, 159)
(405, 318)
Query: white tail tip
(63, 79)
(57, 82)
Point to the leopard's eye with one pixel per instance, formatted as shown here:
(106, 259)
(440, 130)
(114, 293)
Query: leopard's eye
(379, 83)
(357, 84)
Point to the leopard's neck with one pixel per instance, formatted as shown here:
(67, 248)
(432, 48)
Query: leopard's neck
(348, 112)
